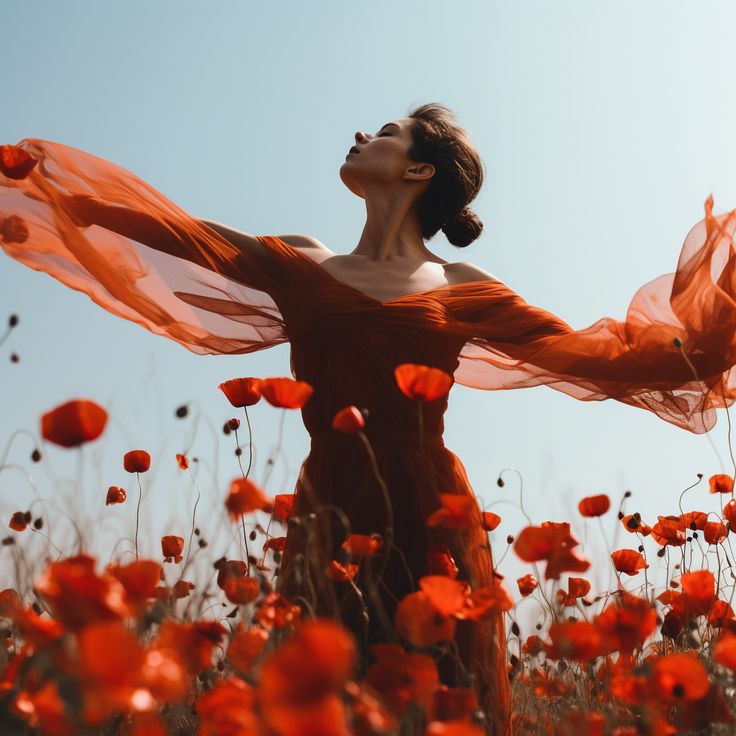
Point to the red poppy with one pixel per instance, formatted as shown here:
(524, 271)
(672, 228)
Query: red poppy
(286, 393)
(283, 506)
(14, 229)
(527, 584)
(628, 561)
(485, 603)
(580, 641)
(694, 520)
(136, 461)
(275, 543)
(422, 381)
(626, 622)
(16, 163)
(715, 532)
(699, 591)
(417, 620)
(363, 544)
(10, 602)
(341, 573)
(724, 650)
(721, 615)
(439, 561)
(349, 420)
(490, 520)
(241, 392)
(19, 520)
(458, 511)
(720, 483)
(182, 461)
(669, 530)
(172, 548)
(77, 595)
(551, 541)
(229, 569)
(181, 588)
(228, 707)
(577, 588)
(301, 682)
(533, 645)
(452, 704)
(246, 646)
(74, 423)
(402, 678)
(115, 494)
(277, 612)
(634, 525)
(679, 677)
(446, 595)
(244, 497)
(139, 578)
(729, 512)
(594, 505)
(193, 642)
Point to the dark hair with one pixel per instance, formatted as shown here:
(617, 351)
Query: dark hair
(439, 140)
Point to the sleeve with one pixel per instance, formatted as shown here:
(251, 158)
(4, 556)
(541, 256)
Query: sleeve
(673, 355)
(151, 262)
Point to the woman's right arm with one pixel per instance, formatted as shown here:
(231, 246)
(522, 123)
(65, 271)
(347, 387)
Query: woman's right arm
(166, 237)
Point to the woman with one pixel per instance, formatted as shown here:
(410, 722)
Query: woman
(351, 319)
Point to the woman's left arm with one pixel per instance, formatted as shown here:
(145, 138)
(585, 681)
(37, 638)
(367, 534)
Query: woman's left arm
(674, 353)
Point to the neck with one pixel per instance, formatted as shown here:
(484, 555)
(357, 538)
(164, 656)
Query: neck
(392, 228)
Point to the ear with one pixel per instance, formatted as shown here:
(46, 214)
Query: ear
(420, 171)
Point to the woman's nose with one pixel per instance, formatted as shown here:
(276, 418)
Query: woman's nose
(359, 136)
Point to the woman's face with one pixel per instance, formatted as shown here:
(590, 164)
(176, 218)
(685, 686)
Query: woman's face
(379, 158)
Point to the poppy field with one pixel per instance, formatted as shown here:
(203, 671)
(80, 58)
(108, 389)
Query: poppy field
(136, 645)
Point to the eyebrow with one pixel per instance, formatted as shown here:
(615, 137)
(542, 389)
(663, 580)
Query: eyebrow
(387, 124)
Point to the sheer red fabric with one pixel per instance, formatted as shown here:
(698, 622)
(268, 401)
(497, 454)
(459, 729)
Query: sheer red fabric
(147, 260)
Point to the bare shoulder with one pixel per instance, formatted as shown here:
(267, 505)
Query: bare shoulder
(458, 273)
(306, 242)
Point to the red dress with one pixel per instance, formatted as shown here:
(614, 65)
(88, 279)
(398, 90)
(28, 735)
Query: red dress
(161, 267)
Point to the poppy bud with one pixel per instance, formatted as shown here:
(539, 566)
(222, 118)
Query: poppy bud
(238, 451)
(627, 494)
(620, 515)
(225, 428)
(499, 482)
(36, 456)
(202, 543)
(233, 423)
(182, 411)
(515, 629)
(14, 357)
(13, 321)
(252, 536)
(196, 530)
(677, 342)
(510, 539)
(38, 523)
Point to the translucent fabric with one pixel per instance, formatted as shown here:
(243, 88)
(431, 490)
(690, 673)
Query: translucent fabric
(147, 260)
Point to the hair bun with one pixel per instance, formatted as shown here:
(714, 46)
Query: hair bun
(464, 228)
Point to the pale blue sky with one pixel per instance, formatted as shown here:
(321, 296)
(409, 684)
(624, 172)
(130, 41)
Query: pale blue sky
(603, 126)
